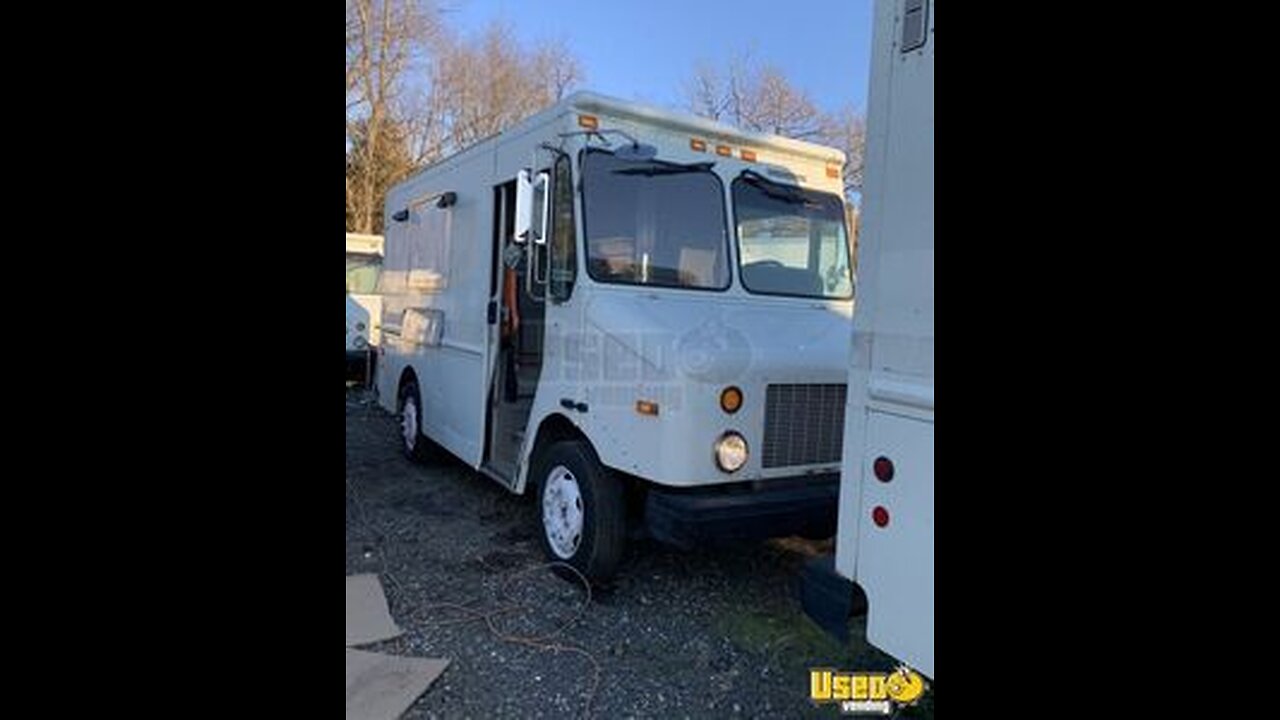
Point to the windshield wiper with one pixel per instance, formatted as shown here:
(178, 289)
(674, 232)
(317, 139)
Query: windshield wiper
(672, 169)
(776, 190)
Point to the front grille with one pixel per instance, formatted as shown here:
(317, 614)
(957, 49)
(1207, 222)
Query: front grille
(803, 424)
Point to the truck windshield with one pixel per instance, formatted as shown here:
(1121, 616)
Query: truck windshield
(362, 273)
(654, 223)
(791, 240)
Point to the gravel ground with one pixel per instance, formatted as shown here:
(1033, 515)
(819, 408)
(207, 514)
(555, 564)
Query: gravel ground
(714, 632)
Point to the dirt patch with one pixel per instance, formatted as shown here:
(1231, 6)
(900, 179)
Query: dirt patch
(714, 631)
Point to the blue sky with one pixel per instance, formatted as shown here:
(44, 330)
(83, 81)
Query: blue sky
(646, 50)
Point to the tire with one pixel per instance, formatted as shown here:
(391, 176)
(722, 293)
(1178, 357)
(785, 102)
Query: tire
(413, 443)
(571, 481)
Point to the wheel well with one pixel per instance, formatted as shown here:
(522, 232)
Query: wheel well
(405, 378)
(553, 428)
(557, 427)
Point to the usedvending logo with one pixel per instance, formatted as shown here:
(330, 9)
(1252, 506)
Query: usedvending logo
(866, 693)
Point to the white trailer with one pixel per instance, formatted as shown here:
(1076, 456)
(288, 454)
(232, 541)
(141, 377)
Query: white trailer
(364, 305)
(885, 537)
(641, 317)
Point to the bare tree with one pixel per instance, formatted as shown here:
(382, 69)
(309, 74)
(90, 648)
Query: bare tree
(382, 167)
(703, 92)
(753, 96)
(559, 67)
(416, 93)
(773, 105)
(480, 87)
(846, 129)
(385, 38)
(759, 97)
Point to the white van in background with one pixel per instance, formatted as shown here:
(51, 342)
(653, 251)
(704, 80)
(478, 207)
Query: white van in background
(364, 304)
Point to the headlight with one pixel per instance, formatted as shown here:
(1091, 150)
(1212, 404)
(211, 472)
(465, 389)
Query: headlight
(360, 326)
(360, 342)
(731, 452)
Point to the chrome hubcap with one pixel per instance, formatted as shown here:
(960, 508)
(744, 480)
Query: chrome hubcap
(562, 512)
(409, 423)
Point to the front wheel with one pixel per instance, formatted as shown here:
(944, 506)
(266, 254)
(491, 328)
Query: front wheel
(583, 510)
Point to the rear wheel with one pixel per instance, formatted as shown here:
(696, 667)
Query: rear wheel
(583, 510)
(413, 443)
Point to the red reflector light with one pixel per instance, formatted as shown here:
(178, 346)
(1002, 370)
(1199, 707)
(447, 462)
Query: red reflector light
(883, 468)
(880, 516)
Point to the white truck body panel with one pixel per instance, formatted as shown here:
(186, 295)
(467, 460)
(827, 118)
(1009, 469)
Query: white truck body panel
(890, 412)
(437, 267)
(608, 345)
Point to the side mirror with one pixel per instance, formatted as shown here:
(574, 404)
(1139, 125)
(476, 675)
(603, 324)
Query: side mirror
(532, 205)
(524, 206)
(541, 207)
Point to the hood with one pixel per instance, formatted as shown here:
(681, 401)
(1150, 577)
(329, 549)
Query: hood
(721, 339)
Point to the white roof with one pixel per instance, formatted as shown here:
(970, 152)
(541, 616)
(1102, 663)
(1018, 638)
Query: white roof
(593, 102)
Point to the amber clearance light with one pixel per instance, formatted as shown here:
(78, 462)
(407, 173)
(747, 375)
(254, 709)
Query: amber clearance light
(730, 399)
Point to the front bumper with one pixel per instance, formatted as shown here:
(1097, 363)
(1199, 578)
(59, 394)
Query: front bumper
(749, 511)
